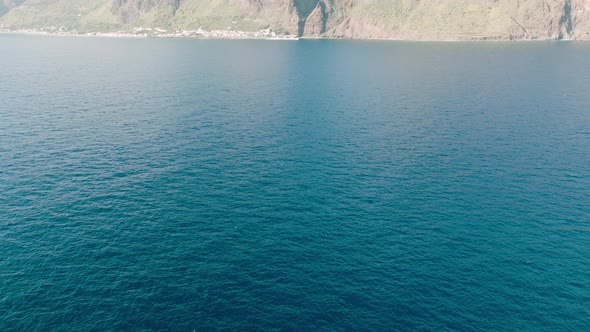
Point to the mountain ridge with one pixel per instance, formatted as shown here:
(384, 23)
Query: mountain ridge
(366, 19)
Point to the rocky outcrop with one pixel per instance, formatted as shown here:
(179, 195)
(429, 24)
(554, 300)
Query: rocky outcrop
(395, 19)
(316, 23)
(130, 10)
(579, 16)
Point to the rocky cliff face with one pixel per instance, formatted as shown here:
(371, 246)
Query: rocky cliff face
(460, 19)
(398, 19)
(128, 11)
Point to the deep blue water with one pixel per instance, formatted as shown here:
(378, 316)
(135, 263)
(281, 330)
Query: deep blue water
(310, 186)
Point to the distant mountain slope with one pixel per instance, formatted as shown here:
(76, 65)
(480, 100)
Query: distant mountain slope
(402, 19)
(110, 15)
(8, 5)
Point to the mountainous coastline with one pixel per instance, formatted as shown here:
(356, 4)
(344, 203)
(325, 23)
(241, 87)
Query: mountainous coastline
(363, 19)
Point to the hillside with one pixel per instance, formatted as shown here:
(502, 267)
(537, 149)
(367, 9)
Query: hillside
(399, 19)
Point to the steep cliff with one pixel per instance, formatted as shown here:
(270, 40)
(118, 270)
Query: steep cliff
(460, 19)
(398, 19)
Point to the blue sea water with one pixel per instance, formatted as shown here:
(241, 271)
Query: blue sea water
(300, 186)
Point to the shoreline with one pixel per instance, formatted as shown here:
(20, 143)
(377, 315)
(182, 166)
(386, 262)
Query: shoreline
(196, 34)
(243, 35)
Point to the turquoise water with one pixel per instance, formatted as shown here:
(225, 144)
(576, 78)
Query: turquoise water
(310, 186)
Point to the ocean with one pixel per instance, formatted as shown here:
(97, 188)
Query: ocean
(312, 185)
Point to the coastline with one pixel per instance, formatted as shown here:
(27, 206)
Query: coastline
(151, 33)
(259, 35)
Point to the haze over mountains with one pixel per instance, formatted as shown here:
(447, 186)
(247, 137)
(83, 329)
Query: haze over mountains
(398, 19)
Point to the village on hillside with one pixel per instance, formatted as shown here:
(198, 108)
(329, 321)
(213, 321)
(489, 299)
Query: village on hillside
(158, 33)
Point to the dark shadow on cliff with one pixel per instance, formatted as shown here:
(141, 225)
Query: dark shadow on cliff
(566, 20)
(304, 8)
